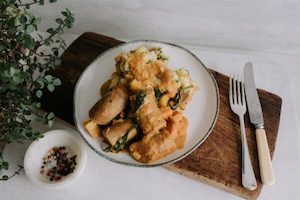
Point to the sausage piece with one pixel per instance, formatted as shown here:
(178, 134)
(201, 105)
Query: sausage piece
(114, 133)
(153, 147)
(109, 106)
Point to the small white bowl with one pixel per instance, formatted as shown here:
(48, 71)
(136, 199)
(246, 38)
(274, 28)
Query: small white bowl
(33, 159)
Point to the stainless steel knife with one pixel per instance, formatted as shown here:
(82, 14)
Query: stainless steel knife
(256, 118)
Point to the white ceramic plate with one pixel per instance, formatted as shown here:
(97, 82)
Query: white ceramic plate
(202, 110)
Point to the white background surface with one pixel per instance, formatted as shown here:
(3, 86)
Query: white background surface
(224, 35)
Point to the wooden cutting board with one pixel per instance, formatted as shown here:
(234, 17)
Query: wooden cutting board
(218, 160)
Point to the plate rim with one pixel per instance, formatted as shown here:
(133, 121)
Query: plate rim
(142, 165)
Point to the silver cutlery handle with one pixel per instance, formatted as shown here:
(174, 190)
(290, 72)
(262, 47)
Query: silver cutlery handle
(248, 177)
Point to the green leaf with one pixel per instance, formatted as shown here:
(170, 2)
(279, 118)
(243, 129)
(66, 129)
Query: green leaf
(12, 30)
(59, 20)
(50, 116)
(57, 62)
(47, 42)
(49, 78)
(38, 105)
(41, 83)
(50, 123)
(52, 1)
(26, 112)
(37, 20)
(29, 28)
(39, 93)
(56, 82)
(5, 165)
(71, 19)
(12, 71)
(23, 19)
(17, 79)
(50, 30)
(51, 87)
(41, 2)
(28, 42)
(68, 11)
(64, 13)
(2, 47)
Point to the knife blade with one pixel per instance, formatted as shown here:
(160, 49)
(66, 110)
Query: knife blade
(256, 118)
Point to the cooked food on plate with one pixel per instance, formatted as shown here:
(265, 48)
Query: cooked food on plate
(142, 104)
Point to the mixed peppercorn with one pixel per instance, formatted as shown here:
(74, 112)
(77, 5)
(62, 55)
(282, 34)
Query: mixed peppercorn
(58, 163)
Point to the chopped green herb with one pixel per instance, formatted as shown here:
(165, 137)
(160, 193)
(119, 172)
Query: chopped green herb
(108, 149)
(119, 146)
(121, 143)
(158, 94)
(140, 96)
(139, 134)
(175, 101)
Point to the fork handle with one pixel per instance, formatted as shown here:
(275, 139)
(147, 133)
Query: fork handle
(265, 164)
(248, 177)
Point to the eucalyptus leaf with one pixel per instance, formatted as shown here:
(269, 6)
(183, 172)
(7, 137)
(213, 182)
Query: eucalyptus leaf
(5, 165)
(39, 93)
(59, 21)
(64, 13)
(50, 116)
(41, 83)
(37, 20)
(50, 87)
(2, 47)
(50, 123)
(23, 19)
(49, 78)
(29, 42)
(56, 82)
(29, 28)
(50, 30)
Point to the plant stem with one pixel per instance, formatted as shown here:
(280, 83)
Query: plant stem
(16, 172)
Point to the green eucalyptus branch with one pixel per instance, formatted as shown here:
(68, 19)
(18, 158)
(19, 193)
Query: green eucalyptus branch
(23, 69)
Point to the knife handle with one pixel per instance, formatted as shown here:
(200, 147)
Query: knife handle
(265, 164)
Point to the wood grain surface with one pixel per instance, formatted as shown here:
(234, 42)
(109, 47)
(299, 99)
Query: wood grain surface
(217, 161)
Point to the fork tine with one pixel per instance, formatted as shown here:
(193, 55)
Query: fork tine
(234, 90)
(230, 91)
(243, 94)
(238, 90)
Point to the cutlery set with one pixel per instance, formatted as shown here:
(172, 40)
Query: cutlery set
(242, 93)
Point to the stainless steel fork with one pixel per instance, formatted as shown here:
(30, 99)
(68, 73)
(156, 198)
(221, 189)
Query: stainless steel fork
(238, 106)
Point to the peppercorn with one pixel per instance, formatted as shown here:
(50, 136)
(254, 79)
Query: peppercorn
(64, 163)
